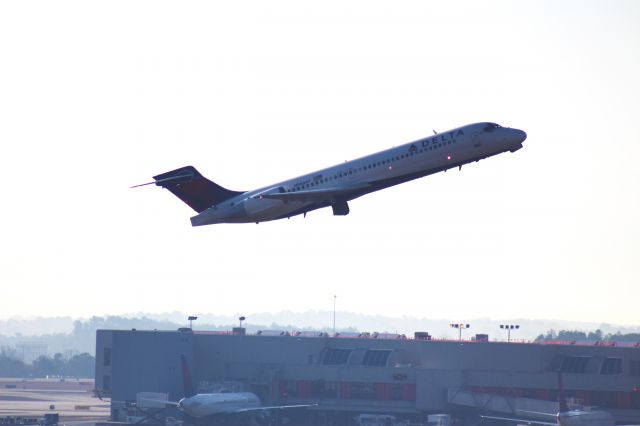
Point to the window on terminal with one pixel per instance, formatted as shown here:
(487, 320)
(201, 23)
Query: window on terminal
(336, 356)
(106, 383)
(376, 357)
(611, 366)
(106, 359)
(574, 364)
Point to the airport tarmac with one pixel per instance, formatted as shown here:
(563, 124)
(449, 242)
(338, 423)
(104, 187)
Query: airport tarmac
(72, 399)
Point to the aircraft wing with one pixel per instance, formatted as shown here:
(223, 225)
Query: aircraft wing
(161, 401)
(539, 413)
(521, 421)
(275, 407)
(315, 195)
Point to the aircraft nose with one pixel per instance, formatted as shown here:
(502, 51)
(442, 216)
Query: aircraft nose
(519, 135)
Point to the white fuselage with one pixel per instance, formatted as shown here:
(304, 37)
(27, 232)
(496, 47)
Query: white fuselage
(435, 153)
(208, 404)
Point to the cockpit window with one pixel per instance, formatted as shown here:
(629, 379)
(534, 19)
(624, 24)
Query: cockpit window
(490, 127)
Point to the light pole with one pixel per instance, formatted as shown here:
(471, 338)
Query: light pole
(334, 314)
(460, 327)
(242, 318)
(191, 320)
(509, 327)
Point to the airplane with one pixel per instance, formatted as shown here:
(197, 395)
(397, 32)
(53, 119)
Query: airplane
(197, 406)
(566, 417)
(335, 186)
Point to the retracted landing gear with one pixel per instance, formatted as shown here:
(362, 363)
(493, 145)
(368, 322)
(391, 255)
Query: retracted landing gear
(340, 208)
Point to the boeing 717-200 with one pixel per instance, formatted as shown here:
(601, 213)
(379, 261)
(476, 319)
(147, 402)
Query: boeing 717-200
(335, 186)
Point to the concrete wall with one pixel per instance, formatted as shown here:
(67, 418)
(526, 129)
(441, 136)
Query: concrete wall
(142, 361)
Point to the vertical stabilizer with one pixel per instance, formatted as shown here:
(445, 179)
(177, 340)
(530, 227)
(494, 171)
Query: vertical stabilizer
(195, 190)
(562, 399)
(186, 377)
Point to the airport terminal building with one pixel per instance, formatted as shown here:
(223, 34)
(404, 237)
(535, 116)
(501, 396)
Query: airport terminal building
(380, 373)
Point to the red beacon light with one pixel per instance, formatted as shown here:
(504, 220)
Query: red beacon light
(634, 389)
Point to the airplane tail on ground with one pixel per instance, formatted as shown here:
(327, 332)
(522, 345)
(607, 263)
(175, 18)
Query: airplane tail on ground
(562, 399)
(186, 377)
(195, 190)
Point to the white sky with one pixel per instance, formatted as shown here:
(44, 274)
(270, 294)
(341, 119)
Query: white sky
(98, 96)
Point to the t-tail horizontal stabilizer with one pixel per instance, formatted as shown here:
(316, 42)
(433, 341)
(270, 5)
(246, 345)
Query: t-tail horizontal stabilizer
(190, 186)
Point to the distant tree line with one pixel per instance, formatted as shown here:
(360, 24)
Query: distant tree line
(82, 337)
(78, 365)
(594, 336)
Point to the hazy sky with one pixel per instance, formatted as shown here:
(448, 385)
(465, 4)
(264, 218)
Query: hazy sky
(98, 96)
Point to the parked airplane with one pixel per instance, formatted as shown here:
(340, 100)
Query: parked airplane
(202, 405)
(565, 417)
(337, 185)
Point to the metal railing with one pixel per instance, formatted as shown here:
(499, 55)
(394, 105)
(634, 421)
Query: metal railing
(396, 336)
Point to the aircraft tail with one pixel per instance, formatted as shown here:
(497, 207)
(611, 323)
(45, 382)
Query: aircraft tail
(562, 398)
(195, 190)
(186, 377)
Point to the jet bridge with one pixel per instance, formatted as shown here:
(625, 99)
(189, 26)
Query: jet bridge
(508, 405)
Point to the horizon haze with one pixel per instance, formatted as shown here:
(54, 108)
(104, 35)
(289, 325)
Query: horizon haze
(28, 328)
